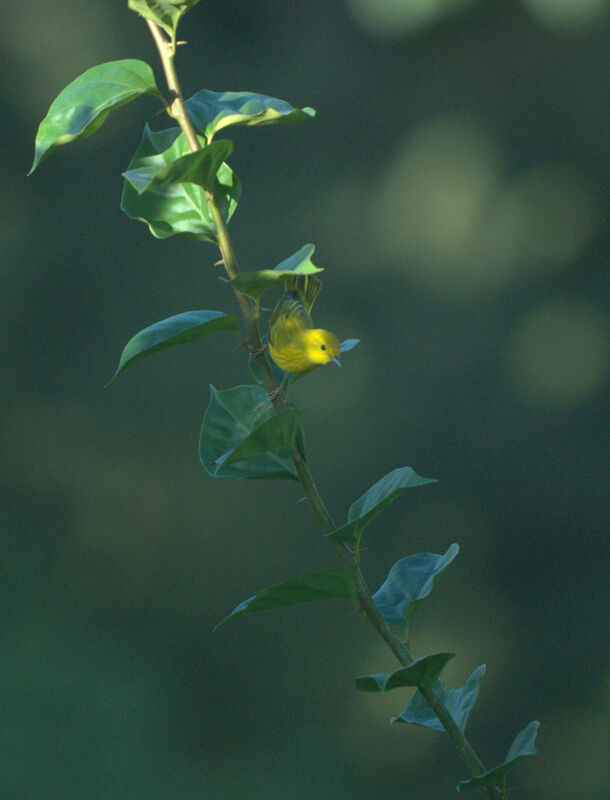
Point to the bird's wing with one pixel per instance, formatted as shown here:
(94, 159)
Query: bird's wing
(306, 288)
(291, 316)
(288, 320)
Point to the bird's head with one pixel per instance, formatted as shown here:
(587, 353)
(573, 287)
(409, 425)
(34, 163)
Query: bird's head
(322, 346)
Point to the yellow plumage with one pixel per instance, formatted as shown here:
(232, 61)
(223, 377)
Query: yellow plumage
(294, 344)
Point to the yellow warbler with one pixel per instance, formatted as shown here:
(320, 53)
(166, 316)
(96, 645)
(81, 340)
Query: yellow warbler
(294, 344)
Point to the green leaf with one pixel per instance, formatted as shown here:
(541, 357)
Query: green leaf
(522, 746)
(459, 703)
(255, 283)
(212, 111)
(80, 108)
(179, 329)
(275, 434)
(236, 441)
(374, 500)
(166, 13)
(200, 168)
(174, 209)
(329, 585)
(421, 672)
(409, 582)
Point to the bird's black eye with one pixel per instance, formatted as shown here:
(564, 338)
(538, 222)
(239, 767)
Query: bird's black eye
(322, 347)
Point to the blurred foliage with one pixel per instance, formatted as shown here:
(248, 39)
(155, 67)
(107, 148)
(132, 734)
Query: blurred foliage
(454, 182)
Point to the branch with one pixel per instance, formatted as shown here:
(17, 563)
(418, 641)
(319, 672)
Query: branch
(368, 609)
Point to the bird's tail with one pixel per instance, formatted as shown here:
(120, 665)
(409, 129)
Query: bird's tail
(305, 288)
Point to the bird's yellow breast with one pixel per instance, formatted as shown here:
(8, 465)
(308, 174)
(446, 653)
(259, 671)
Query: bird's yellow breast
(291, 356)
(301, 350)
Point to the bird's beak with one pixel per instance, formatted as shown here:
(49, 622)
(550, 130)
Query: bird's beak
(337, 360)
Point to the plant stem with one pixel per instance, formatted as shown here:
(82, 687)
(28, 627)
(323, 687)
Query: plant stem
(348, 557)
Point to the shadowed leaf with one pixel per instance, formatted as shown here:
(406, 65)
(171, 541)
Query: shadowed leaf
(409, 582)
(189, 326)
(375, 499)
(243, 437)
(422, 672)
(329, 585)
(459, 703)
(256, 282)
(275, 434)
(523, 745)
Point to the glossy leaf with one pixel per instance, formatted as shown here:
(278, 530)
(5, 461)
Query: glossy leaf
(459, 703)
(422, 672)
(375, 499)
(329, 585)
(409, 582)
(200, 168)
(80, 108)
(243, 417)
(175, 209)
(212, 111)
(524, 745)
(165, 13)
(255, 283)
(179, 329)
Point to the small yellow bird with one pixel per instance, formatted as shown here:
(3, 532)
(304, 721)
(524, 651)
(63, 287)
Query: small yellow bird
(294, 344)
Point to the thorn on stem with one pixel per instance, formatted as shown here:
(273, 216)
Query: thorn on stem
(259, 351)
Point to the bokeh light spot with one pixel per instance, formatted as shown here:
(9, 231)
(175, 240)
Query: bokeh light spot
(561, 353)
(47, 53)
(567, 14)
(445, 214)
(393, 18)
(553, 209)
(432, 202)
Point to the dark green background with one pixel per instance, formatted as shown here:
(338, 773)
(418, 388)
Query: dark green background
(455, 185)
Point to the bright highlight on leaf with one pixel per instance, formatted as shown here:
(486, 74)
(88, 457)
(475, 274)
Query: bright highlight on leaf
(375, 499)
(523, 745)
(176, 208)
(459, 703)
(200, 168)
(165, 13)
(212, 111)
(255, 283)
(329, 585)
(189, 326)
(409, 582)
(243, 437)
(80, 108)
(421, 672)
